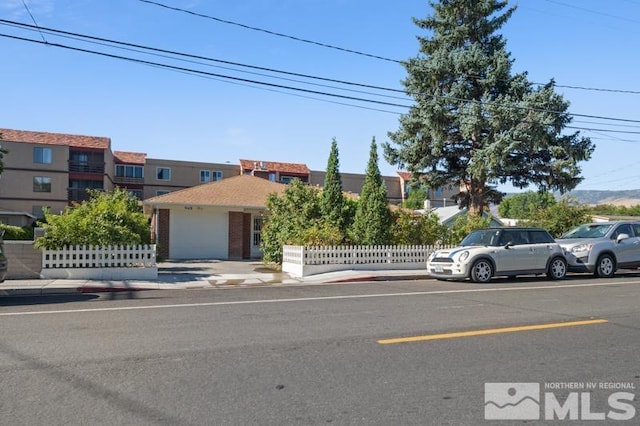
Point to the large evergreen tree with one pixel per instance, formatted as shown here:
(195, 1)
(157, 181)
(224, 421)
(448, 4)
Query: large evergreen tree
(372, 222)
(332, 201)
(474, 122)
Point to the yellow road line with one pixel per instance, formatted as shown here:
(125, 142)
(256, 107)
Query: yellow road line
(488, 331)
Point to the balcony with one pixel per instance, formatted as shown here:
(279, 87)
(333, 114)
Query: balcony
(79, 194)
(128, 180)
(86, 167)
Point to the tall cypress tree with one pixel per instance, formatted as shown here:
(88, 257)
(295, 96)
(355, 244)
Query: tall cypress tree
(372, 222)
(332, 201)
(476, 123)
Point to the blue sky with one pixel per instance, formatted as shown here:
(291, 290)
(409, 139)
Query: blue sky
(178, 115)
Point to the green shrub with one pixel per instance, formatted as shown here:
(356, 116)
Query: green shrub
(17, 233)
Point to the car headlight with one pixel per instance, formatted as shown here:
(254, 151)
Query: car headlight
(463, 256)
(581, 248)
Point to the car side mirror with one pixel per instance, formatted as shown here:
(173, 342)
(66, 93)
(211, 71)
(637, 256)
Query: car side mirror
(622, 237)
(509, 245)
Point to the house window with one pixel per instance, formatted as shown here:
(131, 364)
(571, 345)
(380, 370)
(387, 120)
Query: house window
(41, 184)
(437, 193)
(163, 173)
(217, 175)
(42, 155)
(257, 230)
(272, 177)
(129, 171)
(161, 192)
(286, 179)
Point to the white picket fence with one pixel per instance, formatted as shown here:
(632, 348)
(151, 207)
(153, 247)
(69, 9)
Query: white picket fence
(301, 261)
(109, 262)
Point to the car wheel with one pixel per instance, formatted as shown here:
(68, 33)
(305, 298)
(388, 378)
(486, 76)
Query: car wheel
(557, 268)
(606, 266)
(481, 271)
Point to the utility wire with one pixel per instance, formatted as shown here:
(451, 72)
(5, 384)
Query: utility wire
(205, 58)
(33, 19)
(623, 18)
(273, 70)
(177, 9)
(173, 67)
(224, 21)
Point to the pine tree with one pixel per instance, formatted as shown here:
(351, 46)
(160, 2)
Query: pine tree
(474, 122)
(332, 202)
(372, 222)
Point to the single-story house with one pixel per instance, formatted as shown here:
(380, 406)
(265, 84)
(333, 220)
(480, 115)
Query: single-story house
(216, 220)
(448, 215)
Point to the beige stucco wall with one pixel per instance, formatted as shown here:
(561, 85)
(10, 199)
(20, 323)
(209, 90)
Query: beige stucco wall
(16, 182)
(352, 182)
(184, 174)
(25, 261)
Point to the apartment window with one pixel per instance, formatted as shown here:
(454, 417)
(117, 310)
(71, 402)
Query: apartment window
(41, 184)
(257, 230)
(210, 176)
(129, 171)
(42, 155)
(163, 173)
(136, 193)
(38, 211)
(161, 192)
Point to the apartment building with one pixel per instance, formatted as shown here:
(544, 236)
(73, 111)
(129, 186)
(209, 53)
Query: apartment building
(52, 169)
(55, 170)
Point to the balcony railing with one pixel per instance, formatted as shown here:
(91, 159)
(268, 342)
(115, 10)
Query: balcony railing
(129, 180)
(79, 194)
(86, 167)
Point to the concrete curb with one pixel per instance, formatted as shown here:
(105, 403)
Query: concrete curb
(30, 288)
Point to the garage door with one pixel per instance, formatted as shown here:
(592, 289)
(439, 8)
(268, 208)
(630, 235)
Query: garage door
(198, 234)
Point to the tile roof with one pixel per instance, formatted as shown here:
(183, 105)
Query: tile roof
(241, 191)
(130, 157)
(406, 176)
(45, 138)
(274, 166)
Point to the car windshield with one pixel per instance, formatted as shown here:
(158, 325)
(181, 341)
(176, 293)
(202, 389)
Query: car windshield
(592, 230)
(485, 237)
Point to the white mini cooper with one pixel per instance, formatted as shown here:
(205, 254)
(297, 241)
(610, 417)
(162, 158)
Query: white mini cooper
(491, 252)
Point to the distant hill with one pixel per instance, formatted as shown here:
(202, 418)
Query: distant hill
(630, 197)
(627, 198)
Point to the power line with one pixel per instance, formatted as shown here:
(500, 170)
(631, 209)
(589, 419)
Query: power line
(224, 21)
(33, 19)
(173, 67)
(285, 72)
(205, 58)
(177, 9)
(593, 11)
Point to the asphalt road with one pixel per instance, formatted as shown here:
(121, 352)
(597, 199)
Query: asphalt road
(321, 354)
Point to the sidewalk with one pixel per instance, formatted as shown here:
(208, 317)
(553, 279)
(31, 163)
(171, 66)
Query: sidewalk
(199, 275)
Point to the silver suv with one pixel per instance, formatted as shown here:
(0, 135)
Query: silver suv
(486, 253)
(603, 247)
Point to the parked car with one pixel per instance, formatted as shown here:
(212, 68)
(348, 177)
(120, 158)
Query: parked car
(491, 252)
(603, 247)
(3, 259)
